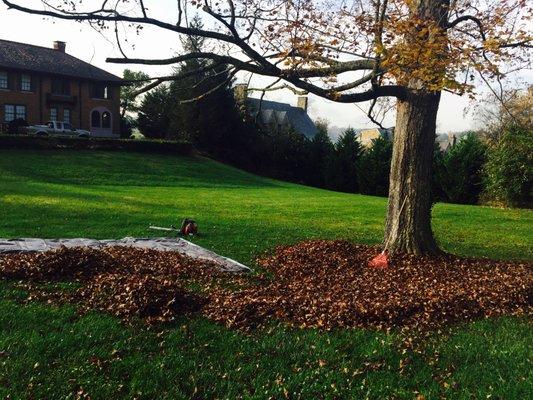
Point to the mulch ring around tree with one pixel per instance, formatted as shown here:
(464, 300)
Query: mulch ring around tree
(324, 284)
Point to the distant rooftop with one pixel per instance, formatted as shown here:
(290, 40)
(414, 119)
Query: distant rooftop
(296, 116)
(28, 57)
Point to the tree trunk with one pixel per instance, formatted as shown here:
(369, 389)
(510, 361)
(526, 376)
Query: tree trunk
(408, 225)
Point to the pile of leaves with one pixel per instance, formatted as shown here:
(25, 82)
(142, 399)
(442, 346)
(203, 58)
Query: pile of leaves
(125, 282)
(328, 284)
(325, 284)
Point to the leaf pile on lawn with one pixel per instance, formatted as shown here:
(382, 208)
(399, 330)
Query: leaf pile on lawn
(324, 284)
(328, 284)
(125, 282)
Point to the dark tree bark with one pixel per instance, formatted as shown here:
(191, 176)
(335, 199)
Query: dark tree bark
(408, 225)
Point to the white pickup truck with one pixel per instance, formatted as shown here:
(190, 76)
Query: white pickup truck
(56, 128)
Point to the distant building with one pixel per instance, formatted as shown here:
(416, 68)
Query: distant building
(276, 116)
(447, 140)
(40, 84)
(366, 136)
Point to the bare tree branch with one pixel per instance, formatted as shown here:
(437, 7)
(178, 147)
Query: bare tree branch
(308, 47)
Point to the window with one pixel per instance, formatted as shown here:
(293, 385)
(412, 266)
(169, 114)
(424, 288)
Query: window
(61, 87)
(3, 80)
(95, 119)
(9, 112)
(53, 114)
(100, 91)
(20, 112)
(67, 127)
(12, 112)
(106, 120)
(66, 115)
(25, 83)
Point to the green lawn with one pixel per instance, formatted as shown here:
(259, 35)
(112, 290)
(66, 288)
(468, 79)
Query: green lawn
(50, 352)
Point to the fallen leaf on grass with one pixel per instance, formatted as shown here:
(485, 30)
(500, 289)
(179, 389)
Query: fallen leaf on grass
(323, 284)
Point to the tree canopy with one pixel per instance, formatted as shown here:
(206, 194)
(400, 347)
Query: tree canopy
(346, 51)
(128, 99)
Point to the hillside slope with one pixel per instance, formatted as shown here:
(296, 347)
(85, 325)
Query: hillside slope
(115, 194)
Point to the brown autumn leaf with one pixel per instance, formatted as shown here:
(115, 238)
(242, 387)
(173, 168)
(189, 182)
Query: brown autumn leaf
(324, 284)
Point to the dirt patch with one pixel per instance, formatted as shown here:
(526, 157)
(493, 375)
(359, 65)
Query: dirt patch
(324, 284)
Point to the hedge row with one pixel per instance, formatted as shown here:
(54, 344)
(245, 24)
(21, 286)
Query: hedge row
(75, 143)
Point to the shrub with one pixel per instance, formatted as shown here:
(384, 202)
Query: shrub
(437, 190)
(509, 169)
(126, 127)
(461, 176)
(17, 126)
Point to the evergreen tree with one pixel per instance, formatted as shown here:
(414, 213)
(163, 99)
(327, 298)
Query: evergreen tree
(509, 169)
(154, 113)
(343, 176)
(289, 155)
(211, 121)
(320, 155)
(461, 179)
(373, 176)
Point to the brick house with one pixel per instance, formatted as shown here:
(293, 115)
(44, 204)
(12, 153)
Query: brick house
(40, 84)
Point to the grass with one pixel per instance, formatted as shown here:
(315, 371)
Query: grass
(53, 353)
(112, 195)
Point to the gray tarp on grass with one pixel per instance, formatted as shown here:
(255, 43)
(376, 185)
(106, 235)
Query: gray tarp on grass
(164, 244)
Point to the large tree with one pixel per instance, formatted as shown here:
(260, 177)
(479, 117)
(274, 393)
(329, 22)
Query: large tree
(128, 93)
(347, 51)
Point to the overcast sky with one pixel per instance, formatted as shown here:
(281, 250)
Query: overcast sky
(89, 45)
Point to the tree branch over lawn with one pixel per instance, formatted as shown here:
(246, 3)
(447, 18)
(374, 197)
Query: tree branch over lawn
(304, 34)
(310, 38)
(257, 64)
(348, 51)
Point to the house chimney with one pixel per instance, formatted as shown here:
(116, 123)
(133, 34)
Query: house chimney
(240, 91)
(302, 103)
(60, 46)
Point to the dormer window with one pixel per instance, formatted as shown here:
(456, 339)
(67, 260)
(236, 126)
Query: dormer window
(25, 83)
(3, 80)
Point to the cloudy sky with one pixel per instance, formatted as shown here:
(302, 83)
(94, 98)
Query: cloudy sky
(91, 46)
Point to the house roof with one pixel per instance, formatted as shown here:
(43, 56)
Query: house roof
(297, 118)
(33, 58)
